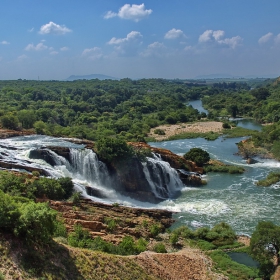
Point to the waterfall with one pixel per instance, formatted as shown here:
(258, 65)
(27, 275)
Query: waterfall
(85, 163)
(164, 180)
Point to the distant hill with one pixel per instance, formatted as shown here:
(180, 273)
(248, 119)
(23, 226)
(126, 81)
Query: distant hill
(90, 77)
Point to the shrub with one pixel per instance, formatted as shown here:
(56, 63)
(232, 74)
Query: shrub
(159, 131)
(155, 230)
(197, 155)
(159, 248)
(9, 212)
(36, 222)
(226, 125)
(113, 149)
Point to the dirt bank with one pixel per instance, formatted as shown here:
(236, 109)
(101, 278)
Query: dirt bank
(198, 127)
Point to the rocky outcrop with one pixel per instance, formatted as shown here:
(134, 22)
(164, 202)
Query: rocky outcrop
(96, 218)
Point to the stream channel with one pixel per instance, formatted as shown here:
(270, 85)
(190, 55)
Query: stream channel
(232, 198)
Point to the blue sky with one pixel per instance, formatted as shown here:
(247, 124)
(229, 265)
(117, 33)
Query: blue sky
(152, 39)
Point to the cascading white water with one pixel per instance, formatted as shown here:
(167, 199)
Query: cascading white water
(85, 162)
(162, 178)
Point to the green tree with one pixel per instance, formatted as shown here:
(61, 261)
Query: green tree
(9, 121)
(265, 246)
(36, 222)
(27, 118)
(9, 212)
(197, 155)
(113, 149)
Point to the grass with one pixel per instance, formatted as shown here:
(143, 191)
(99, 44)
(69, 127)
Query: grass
(235, 271)
(191, 135)
(58, 261)
(217, 166)
(239, 132)
(272, 178)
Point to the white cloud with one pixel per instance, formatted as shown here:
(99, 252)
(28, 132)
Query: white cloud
(174, 34)
(205, 36)
(132, 36)
(22, 57)
(63, 49)
(131, 12)
(218, 34)
(53, 28)
(216, 37)
(277, 38)
(31, 29)
(93, 53)
(265, 38)
(110, 14)
(4, 43)
(54, 53)
(154, 49)
(38, 47)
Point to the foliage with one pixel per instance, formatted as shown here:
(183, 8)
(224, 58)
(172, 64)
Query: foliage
(272, 178)
(81, 238)
(220, 235)
(265, 245)
(231, 169)
(16, 185)
(111, 224)
(9, 121)
(113, 149)
(36, 222)
(235, 271)
(199, 156)
(226, 125)
(211, 136)
(159, 248)
(155, 229)
(9, 212)
(159, 131)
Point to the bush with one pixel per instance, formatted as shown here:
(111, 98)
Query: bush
(159, 131)
(113, 149)
(159, 248)
(9, 212)
(36, 222)
(155, 229)
(197, 155)
(226, 125)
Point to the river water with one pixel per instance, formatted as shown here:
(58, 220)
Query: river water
(232, 198)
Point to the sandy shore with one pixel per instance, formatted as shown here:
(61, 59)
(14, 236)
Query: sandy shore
(198, 127)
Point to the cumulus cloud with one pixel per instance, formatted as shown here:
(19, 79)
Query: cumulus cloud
(131, 12)
(265, 38)
(216, 36)
(129, 45)
(154, 49)
(22, 57)
(174, 34)
(54, 53)
(132, 36)
(4, 43)
(63, 49)
(93, 53)
(277, 39)
(38, 47)
(53, 28)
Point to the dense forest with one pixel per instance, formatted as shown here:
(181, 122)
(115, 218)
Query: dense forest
(122, 111)
(93, 109)
(261, 103)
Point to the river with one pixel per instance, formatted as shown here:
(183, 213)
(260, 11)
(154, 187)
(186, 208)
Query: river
(232, 198)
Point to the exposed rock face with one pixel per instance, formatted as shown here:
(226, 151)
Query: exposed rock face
(93, 216)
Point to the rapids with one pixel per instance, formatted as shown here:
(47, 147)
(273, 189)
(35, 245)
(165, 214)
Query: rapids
(234, 199)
